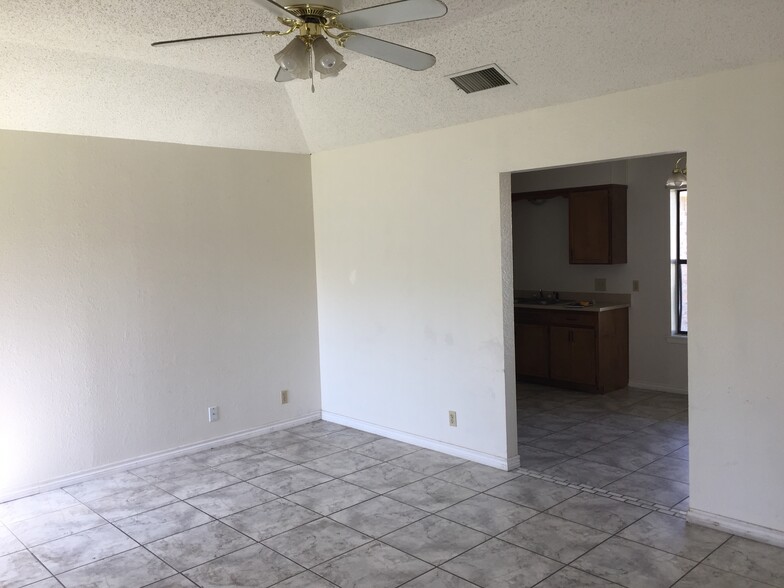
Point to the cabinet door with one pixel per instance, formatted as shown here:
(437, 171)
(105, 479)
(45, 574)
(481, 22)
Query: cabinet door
(573, 354)
(560, 353)
(589, 227)
(531, 350)
(583, 356)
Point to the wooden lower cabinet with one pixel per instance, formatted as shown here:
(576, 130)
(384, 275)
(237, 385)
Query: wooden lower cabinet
(573, 355)
(532, 343)
(578, 349)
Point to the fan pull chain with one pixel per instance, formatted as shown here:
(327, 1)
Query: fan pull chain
(311, 62)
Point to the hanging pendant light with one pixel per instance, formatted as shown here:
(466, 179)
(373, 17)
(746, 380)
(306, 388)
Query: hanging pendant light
(677, 179)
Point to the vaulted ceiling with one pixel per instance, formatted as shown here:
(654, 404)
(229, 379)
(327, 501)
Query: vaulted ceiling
(86, 66)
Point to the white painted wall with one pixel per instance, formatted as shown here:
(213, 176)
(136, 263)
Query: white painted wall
(141, 283)
(541, 257)
(410, 268)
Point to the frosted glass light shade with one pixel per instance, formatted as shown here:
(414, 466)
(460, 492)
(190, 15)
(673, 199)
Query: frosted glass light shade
(328, 61)
(294, 58)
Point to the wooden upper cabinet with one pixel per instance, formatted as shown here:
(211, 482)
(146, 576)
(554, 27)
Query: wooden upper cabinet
(597, 221)
(597, 225)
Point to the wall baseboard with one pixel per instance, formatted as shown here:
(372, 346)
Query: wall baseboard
(736, 527)
(152, 458)
(501, 463)
(657, 387)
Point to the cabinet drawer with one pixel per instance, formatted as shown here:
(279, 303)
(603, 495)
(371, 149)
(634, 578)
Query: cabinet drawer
(573, 318)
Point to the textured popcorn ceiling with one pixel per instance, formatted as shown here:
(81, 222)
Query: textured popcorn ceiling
(86, 66)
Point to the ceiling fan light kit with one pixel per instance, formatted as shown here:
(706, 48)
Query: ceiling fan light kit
(310, 50)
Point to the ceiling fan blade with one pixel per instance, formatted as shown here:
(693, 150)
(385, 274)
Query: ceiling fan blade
(277, 9)
(159, 43)
(389, 52)
(394, 13)
(284, 76)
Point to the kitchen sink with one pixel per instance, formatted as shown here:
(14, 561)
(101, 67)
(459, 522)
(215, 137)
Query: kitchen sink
(541, 301)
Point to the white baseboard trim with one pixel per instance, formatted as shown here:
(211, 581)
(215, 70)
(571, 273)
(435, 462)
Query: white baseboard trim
(657, 387)
(501, 463)
(736, 527)
(152, 458)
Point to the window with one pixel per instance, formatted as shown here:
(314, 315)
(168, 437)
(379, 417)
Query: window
(680, 274)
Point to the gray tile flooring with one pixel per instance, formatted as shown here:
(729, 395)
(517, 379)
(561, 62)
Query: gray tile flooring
(321, 505)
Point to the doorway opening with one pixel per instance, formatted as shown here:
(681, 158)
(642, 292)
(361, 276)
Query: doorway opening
(601, 376)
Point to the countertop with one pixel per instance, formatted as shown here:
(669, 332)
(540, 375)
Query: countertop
(598, 307)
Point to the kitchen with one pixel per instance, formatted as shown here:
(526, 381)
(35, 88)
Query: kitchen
(602, 379)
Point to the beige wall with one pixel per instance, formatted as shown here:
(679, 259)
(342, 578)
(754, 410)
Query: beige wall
(141, 283)
(413, 275)
(541, 258)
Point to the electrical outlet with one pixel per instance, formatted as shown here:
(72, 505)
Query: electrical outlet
(600, 284)
(635, 285)
(212, 414)
(452, 418)
(284, 396)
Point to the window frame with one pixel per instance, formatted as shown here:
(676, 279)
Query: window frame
(678, 263)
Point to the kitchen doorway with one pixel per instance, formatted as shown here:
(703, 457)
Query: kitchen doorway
(601, 373)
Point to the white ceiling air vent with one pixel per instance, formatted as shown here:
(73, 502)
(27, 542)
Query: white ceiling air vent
(481, 78)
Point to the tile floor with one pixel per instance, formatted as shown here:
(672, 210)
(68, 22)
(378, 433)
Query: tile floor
(321, 505)
(629, 442)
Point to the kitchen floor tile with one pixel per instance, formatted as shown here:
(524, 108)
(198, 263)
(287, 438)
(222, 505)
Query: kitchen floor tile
(758, 561)
(630, 460)
(20, 569)
(131, 502)
(331, 496)
(539, 460)
(36, 505)
(254, 466)
(255, 566)
(383, 478)
(55, 525)
(427, 462)
(231, 499)
(8, 543)
(305, 580)
(632, 564)
(219, 455)
(341, 464)
(567, 443)
(303, 451)
(385, 449)
(269, 519)
(274, 440)
(316, 542)
(379, 516)
(162, 522)
(650, 488)
(573, 578)
(476, 476)
(533, 493)
(503, 565)
(431, 494)
(599, 512)
(554, 537)
(317, 429)
(674, 535)
(198, 545)
(83, 548)
(670, 468)
(375, 565)
(487, 514)
(132, 569)
(582, 471)
(191, 485)
(438, 579)
(349, 438)
(435, 540)
(105, 486)
(290, 480)
(704, 576)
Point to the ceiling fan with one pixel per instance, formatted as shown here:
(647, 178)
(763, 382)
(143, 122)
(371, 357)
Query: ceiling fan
(314, 24)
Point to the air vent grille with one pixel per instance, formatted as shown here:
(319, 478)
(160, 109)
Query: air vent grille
(483, 78)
